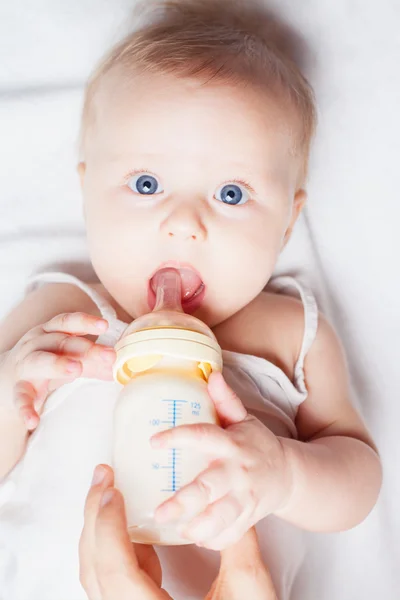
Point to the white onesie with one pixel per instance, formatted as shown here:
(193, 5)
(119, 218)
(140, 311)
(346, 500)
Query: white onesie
(42, 498)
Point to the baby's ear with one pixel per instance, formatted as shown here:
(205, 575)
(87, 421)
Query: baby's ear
(299, 201)
(81, 168)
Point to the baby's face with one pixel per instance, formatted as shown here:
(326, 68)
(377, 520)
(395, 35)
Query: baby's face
(200, 177)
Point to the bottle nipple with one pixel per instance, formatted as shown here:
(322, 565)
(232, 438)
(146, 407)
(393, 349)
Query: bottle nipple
(168, 310)
(166, 331)
(168, 289)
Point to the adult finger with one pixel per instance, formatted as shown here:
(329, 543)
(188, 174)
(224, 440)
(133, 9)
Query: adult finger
(244, 553)
(103, 477)
(149, 562)
(118, 572)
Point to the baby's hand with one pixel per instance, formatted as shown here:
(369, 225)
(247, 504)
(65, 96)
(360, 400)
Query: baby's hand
(50, 355)
(248, 479)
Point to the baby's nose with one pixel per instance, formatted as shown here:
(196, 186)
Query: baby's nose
(184, 223)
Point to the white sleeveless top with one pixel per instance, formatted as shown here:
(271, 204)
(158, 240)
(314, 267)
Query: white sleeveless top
(42, 498)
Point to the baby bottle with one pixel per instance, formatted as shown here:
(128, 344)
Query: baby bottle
(163, 361)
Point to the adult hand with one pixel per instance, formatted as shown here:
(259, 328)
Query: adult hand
(111, 567)
(242, 573)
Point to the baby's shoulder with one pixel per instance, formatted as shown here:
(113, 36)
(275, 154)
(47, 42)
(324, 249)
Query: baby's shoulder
(271, 326)
(73, 298)
(39, 306)
(105, 294)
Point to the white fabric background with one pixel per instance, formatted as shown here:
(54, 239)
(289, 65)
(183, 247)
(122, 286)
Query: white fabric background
(347, 245)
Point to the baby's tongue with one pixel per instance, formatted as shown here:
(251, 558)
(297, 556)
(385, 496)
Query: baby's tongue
(191, 282)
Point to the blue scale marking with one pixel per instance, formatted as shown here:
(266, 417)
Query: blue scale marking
(174, 412)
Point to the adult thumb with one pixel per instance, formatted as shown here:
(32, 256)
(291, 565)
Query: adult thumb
(115, 556)
(120, 570)
(227, 403)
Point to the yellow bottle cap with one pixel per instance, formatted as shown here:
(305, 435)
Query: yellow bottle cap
(142, 350)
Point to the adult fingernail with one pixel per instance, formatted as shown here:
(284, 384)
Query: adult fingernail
(98, 475)
(102, 325)
(107, 497)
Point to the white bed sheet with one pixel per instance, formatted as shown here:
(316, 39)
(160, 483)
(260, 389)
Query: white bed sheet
(347, 246)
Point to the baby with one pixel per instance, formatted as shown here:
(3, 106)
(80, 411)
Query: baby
(195, 139)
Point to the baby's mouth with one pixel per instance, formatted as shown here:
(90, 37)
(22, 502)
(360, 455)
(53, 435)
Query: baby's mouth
(192, 292)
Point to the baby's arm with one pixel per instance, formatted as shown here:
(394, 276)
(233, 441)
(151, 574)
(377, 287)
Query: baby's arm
(32, 355)
(336, 471)
(328, 480)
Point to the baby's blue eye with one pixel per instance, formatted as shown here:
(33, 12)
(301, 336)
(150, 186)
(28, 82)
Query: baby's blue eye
(145, 184)
(232, 194)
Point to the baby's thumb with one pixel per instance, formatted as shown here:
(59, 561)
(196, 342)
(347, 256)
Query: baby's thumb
(227, 403)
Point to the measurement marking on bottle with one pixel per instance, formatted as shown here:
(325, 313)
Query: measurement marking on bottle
(174, 413)
(173, 470)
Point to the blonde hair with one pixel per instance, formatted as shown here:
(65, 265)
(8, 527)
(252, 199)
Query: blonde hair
(230, 41)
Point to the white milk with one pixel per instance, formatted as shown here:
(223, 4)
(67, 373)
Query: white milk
(172, 394)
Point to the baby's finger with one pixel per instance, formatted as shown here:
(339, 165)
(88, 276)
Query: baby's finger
(228, 405)
(59, 343)
(24, 400)
(231, 534)
(46, 365)
(76, 324)
(205, 437)
(98, 362)
(216, 519)
(96, 359)
(82, 348)
(192, 499)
